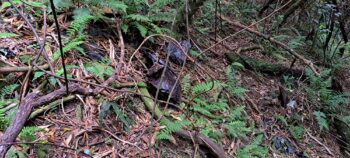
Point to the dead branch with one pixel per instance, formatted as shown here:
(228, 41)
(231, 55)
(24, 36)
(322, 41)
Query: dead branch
(203, 141)
(32, 100)
(21, 69)
(278, 43)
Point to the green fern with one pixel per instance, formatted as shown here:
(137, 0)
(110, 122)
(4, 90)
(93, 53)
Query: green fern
(138, 18)
(99, 69)
(237, 129)
(7, 90)
(232, 87)
(170, 127)
(7, 35)
(253, 150)
(186, 84)
(321, 120)
(297, 132)
(160, 3)
(203, 87)
(142, 29)
(28, 133)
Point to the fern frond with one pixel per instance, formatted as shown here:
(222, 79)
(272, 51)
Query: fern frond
(117, 6)
(203, 87)
(28, 133)
(254, 149)
(321, 120)
(237, 129)
(8, 90)
(160, 3)
(164, 16)
(186, 84)
(66, 48)
(143, 30)
(99, 69)
(138, 18)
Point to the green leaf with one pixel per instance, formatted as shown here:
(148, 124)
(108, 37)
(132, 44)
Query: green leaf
(38, 75)
(282, 119)
(66, 48)
(237, 65)
(99, 69)
(79, 13)
(52, 81)
(7, 35)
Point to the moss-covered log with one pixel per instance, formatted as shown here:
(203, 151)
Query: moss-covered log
(264, 67)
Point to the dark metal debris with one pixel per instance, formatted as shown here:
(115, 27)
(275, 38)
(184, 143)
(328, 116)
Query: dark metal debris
(94, 55)
(283, 145)
(176, 55)
(168, 82)
(7, 53)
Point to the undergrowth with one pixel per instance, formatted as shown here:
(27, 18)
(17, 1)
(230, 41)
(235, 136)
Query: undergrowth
(211, 114)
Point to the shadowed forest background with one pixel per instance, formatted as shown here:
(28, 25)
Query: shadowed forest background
(174, 78)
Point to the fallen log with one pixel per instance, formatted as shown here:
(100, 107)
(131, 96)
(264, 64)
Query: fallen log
(264, 67)
(278, 43)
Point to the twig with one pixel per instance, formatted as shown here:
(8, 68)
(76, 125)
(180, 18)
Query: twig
(50, 106)
(315, 139)
(240, 31)
(121, 140)
(60, 44)
(26, 20)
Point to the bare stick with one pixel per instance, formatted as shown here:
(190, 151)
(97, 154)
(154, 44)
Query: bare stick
(60, 44)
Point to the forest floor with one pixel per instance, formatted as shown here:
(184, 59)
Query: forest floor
(75, 124)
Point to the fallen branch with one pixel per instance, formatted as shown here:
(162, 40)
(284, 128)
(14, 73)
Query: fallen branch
(278, 43)
(21, 68)
(32, 100)
(50, 106)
